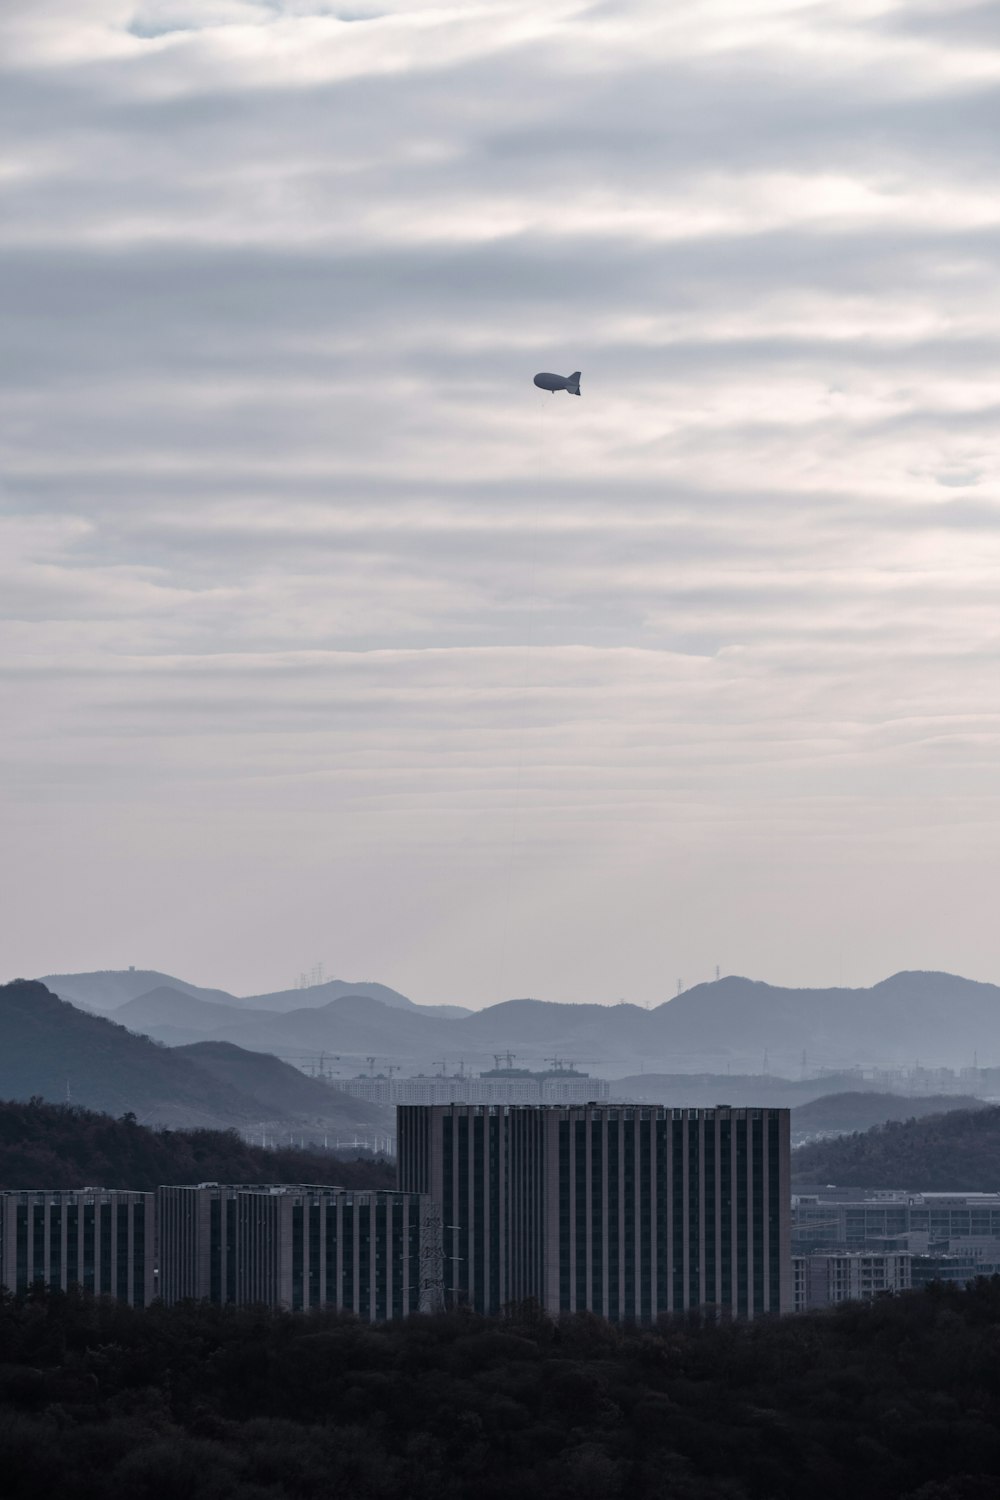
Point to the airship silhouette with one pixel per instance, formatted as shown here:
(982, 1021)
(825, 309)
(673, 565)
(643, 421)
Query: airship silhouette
(555, 383)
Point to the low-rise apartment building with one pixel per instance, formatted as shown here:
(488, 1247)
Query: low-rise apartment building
(828, 1278)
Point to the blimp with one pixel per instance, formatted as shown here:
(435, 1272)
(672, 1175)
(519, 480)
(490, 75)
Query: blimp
(555, 383)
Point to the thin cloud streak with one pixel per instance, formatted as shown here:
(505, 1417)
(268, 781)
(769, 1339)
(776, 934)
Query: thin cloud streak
(321, 627)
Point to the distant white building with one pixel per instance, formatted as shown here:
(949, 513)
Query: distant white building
(500, 1086)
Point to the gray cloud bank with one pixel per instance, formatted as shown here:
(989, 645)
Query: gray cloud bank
(325, 634)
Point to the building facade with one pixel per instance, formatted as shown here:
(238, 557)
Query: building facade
(826, 1279)
(96, 1238)
(962, 1225)
(376, 1254)
(626, 1211)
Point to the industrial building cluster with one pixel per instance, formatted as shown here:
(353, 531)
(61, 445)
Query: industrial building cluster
(848, 1245)
(371, 1253)
(560, 1083)
(627, 1211)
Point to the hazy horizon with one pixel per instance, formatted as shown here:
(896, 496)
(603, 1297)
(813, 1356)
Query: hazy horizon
(400, 988)
(327, 635)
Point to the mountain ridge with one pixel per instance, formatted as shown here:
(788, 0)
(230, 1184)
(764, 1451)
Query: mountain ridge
(51, 1049)
(733, 1023)
(106, 990)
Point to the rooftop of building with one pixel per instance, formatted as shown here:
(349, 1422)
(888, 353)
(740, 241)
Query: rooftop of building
(601, 1109)
(280, 1189)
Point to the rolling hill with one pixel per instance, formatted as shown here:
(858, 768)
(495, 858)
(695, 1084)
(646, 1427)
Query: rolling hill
(166, 1006)
(336, 989)
(106, 989)
(109, 989)
(843, 1114)
(283, 1092)
(353, 1025)
(958, 1151)
(729, 1026)
(52, 1050)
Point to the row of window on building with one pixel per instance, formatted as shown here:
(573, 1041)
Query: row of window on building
(907, 1239)
(374, 1254)
(626, 1211)
(828, 1277)
(630, 1212)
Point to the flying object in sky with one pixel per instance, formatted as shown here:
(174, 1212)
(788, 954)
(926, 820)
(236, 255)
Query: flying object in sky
(555, 383)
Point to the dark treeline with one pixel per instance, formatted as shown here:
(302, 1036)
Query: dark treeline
(61, 1146)
(897, 1400)
(959, 1150)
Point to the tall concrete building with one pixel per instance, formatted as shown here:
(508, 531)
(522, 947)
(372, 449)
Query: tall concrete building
(97, 1238)
(376, 1254)
(626, 1211)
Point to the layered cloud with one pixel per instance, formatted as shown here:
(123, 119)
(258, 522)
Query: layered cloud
(327, 635)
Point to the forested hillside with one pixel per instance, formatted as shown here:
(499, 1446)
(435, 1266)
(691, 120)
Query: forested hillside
(51, 1050)
(959, 1150)
(841, 1114)
(59, 1146)
(893, 1401)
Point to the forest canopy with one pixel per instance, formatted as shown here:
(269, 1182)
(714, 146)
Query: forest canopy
(62, 1146)
(102, 1402)
(954, 1152)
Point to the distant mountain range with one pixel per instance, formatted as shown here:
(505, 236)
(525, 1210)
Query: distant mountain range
(52, 1050)
(109, 989)
(734, 1025)
(226, 1061)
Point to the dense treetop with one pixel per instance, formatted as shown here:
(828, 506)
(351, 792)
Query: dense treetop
(897, 1399)
(958, 1151)
(60, 1146)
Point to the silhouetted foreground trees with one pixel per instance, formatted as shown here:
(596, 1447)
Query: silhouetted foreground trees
(898, 1400)
(60, 1146)
(957, 1151)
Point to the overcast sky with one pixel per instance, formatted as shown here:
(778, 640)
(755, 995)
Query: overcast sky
(327, 636)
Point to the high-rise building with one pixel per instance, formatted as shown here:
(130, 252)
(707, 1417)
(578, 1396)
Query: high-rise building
(376, 1254)
(626, 1211)
(97, 1238)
